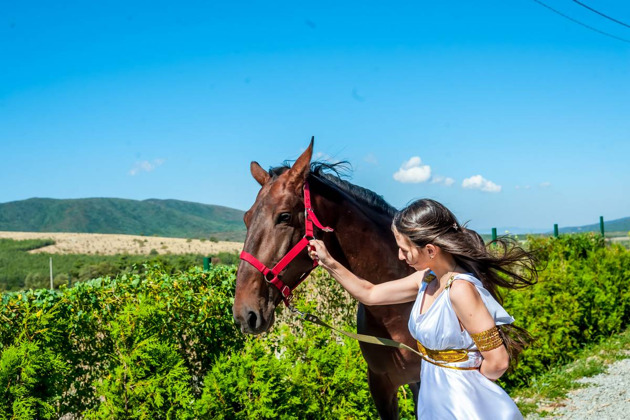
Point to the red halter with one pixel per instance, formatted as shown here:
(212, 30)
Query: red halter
(272, 275)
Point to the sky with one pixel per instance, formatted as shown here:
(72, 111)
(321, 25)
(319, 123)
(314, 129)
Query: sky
(506, 112)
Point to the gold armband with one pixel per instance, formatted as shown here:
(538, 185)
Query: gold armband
(487, 340)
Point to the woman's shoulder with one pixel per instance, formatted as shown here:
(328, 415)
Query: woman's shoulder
(464, 281)
(468, 277)
(463, 288)
(469, 292)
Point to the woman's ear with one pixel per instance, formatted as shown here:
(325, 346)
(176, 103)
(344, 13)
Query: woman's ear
(431, 250)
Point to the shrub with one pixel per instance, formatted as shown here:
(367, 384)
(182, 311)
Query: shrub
(297, 370)
(148, 376)
(155, 343)
(582, 296)
(185, 320)
(35, 281)
(31, 370)
(60, 279)
(306, 377)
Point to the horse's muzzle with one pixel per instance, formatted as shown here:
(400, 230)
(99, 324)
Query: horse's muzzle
(252, 321)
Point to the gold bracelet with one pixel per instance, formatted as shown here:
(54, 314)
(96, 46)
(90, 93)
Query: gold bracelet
(487, 340)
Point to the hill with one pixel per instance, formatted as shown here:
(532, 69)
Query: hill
(172, 218)
(610, 227)
(618, 225)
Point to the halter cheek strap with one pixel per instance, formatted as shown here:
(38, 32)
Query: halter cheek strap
(272, 275)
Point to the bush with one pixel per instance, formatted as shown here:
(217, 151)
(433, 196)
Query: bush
(148, 376)
(60, 279)
(306, 377)
(184, 319)
(31, 370)
(582, 297)
(35, 281)
(162, 344)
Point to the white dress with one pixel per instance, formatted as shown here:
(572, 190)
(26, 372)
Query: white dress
(450, 393)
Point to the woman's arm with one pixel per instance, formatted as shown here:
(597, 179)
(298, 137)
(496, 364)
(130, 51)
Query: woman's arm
(475, 318)
(390, 292)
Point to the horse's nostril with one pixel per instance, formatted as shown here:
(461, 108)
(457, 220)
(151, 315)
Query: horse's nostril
(252, 320)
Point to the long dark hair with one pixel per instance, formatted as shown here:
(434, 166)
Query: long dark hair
(500, 264)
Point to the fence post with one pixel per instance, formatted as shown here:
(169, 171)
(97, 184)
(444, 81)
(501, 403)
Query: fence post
(601, 225)
(555, 230)
(206, 263)
(494, 234)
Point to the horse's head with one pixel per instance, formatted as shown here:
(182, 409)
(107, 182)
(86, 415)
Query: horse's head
(274, 224)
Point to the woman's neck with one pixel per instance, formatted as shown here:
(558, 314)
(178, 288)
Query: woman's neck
(444, 268)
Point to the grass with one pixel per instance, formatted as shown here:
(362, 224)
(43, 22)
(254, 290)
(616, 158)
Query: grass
(549, 390)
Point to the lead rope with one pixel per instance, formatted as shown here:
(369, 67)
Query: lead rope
(359, 337)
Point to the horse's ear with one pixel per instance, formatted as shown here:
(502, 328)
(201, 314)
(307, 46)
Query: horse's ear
(302, 166)
(259, 173)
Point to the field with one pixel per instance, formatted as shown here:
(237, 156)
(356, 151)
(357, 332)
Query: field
(25, 257)
(111, 244)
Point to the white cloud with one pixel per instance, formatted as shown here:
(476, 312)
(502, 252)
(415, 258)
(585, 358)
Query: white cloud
(477, 182)
(145, 166)
(545, 184)
(413, 171)
(525, 187)
(444, 180)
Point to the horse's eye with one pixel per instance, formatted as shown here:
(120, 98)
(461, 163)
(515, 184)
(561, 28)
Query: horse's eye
(284, 218)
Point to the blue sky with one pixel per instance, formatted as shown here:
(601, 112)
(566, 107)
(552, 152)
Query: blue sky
(507, 113)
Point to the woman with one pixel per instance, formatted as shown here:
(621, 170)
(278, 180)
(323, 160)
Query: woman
(461, 329)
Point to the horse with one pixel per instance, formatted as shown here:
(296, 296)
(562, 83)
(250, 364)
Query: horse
(359, 237)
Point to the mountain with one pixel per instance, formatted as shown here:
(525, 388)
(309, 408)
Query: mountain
(617, 225)
(171, 218)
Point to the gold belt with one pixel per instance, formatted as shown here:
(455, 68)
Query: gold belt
(440, 357)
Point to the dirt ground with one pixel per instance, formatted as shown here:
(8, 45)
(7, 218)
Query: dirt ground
(109, 244)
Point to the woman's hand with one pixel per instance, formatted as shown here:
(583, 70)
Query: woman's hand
(318, 252)
(387, 293)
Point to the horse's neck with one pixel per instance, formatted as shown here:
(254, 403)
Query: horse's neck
(362, 240)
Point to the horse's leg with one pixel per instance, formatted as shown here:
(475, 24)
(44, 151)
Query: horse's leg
(415, 390)
(384, 395)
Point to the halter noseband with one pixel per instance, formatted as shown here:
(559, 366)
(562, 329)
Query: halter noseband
(271, 275)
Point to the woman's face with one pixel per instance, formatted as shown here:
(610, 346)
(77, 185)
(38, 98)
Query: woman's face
(410, 253)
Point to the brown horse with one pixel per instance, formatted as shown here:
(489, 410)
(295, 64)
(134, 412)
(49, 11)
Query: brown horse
(362, 240)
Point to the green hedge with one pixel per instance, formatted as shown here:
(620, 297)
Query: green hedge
(582, 297)
(160, 346)
(97, 327)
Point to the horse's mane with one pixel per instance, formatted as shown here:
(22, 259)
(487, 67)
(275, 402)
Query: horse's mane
(331, 174)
